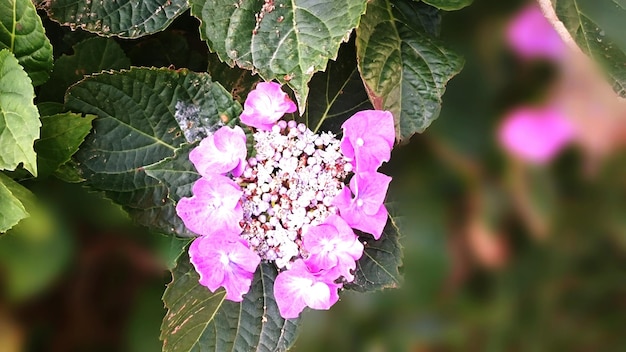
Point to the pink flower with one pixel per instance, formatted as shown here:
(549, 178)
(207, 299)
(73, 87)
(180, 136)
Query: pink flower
(265, 105)
(535, 135)
(332, 246)
(366, 211)
(297, 288)
(214, 206)
(222, 152)
(531, 35)
(368, 137)
(224, 260)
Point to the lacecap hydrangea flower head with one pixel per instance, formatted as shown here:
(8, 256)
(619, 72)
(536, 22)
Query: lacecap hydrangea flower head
(296, 202)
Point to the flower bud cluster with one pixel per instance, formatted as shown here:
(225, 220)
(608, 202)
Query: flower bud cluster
(295, 202)
(290, 183)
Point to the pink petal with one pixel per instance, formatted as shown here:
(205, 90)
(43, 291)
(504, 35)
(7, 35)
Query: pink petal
(214, 206)
(220, 152)
(297, 288)
(370, 190)
(265, 105)
(531, 35)
(218, 260)
(535, 135)
(368, 137)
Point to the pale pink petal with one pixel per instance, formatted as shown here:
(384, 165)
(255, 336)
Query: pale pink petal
(224, 260)
(368, 137)
(531, 35)
(332, 246)
(265, 105)
(297, 288)
(535, 135)
(223, 151)
(214, 207)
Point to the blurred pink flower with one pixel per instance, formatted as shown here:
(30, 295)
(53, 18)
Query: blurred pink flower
(297, 288)
(535, 135)
(366, 211)
(332, 246)
(530, 35)
(223, 151)
(265, 105)
(214, 206)
(368, 137)
(224, 260)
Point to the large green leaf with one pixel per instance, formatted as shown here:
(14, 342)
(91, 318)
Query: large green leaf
(198, 320)
(61, 135)
(378, 267)
(19, 119)
(598, 27)
(284, 40)
(177, 173)
(12, 210)
(405, 69)
(90, 56)
(124, 18)
(145, 116)
(449, 5)
(22, 32)
(336, 94)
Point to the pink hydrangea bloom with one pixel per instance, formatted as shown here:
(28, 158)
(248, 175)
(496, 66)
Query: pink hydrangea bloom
(265, 105)
(297, 288)
(224, 260)
(223, 151)
(366, 211)
(214, 206)
(531, 35)
(535, 135)
(368, 137)
(332, 246)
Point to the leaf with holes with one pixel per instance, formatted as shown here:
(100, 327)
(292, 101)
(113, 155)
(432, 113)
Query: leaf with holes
(198, 319)
(145, 116)
(22, 32)
(598, 27)
(284, 40)
(19, 118)
(125, 19)
(405, 69)
(336, 94)
(90, 56)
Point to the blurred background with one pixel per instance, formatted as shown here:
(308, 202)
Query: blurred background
(503, 250)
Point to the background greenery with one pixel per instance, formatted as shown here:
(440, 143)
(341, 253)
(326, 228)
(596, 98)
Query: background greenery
(479, 274)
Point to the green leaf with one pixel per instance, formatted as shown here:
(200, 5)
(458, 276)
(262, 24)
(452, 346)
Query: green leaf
(90, 56)
(239, 81)
(200, 320)
(598, 27)
(22, 32)
(449, 5)
(126, 19)
(140, 114)
(177, 173)
(378, 267)
(337, 93)
(12, 210)
(405, 69)
(61, 135)
(19, 119)
(284, 40)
